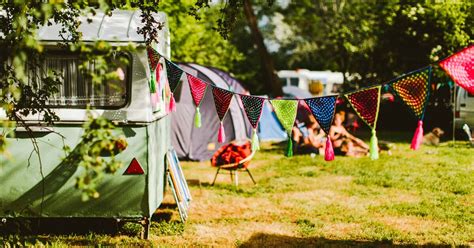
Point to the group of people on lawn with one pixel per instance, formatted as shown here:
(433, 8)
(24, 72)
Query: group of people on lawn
(310, 138)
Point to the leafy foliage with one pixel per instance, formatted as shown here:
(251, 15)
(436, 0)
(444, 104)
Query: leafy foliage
(196, 40)
(372, 41)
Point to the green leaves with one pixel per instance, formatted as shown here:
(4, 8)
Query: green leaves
(195, 40)
(96, 154)
(372, 40)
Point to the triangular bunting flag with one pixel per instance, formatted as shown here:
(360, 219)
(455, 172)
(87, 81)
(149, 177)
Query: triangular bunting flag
(414, 90)
(153, 58)
(174, 74)
(366, 103)
(153, 61)
(323, 109)
(134, 168)
(222, 99)
(285, 111)
(253, 107)
(460, 67)
(198, 89)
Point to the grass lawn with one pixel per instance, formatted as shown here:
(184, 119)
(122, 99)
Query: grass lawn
(423, 197)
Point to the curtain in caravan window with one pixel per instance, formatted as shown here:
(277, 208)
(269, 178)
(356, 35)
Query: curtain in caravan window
(77, 90)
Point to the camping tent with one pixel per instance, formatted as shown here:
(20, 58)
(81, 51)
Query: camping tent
(269, 128)
(200, 143)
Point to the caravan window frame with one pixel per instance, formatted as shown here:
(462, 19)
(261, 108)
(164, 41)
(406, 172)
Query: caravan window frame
(128, 83)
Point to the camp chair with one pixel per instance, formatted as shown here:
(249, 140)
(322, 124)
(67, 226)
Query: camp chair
(233, 168)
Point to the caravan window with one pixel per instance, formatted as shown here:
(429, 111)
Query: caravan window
(294, 81)
(77, 90)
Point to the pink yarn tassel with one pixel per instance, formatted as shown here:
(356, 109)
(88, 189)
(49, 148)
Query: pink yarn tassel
(329, 151)
(172, 106)
(418, 137)
(221, 134)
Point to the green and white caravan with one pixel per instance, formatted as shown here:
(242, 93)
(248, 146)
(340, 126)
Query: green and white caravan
(30, 190)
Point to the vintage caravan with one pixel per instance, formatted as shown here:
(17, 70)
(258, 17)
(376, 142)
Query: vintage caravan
(29, 188)
(318, 83)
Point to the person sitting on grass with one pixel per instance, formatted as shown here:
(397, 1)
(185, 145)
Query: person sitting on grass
(345, 143)
(307, 135)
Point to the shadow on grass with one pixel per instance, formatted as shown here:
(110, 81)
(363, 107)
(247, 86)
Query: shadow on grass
(30, 230)
(273, 240)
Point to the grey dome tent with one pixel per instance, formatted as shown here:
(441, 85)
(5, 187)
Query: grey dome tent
(200, 143)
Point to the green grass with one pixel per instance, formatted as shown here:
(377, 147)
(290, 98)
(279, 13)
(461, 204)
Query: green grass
(423, 197)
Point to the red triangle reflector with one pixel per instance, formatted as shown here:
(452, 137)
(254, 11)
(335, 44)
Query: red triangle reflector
(134, 168)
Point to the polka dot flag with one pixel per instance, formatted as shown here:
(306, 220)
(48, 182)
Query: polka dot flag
(460, 67)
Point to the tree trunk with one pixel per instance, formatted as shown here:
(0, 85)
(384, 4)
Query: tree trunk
(271, 79)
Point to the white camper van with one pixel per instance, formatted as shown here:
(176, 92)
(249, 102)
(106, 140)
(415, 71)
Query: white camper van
(464, 109)
(318, 83)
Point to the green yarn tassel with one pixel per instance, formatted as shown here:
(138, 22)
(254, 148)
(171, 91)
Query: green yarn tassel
(255, 142)
(152, 83)
(289, 148)
(374, 146)
(197, 118)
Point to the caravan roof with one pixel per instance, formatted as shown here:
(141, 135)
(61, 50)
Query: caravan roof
(324, 76)
(121, 26)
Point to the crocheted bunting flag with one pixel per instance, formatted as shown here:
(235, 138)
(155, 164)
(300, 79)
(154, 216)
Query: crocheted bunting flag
(285, 111)
(222, 99)
(174, 74)
(414, 90)
(460, 67)
(198, 88)
(323, 109)
(153, 58)
(366, 104)
(253, 107)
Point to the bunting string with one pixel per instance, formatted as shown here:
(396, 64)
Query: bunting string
(411, 88)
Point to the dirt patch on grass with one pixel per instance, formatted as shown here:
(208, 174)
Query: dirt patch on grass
(225, 235)
(340, 230)
(210, 208)
(411, 224)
